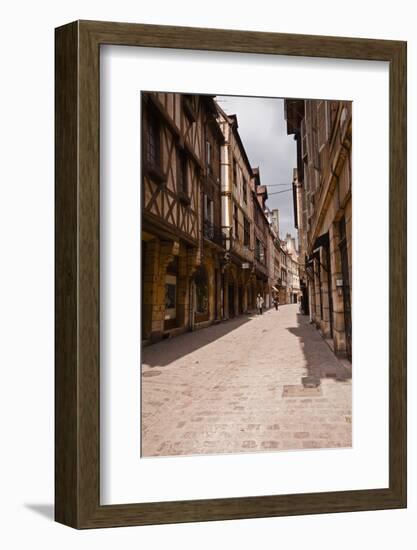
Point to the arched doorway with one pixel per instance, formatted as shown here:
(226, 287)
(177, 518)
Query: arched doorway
(171, 295)
(240, 299)
(231, 296)
(201, 301)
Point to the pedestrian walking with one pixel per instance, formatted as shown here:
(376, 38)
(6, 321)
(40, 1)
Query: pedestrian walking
(276, 302)
(259, 303)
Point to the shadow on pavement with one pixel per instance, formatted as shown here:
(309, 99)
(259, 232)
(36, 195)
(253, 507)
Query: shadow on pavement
(45, 510)
(321, 362)
(165, 352)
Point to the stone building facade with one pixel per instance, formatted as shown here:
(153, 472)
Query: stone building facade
(283, 281)
(323, 211)
(273, 256)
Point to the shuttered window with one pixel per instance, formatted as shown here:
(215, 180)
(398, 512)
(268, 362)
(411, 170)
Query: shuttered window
(246, 232)
(153, 142)
(182, 172)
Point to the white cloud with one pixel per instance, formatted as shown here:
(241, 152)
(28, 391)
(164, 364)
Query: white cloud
(262, 128)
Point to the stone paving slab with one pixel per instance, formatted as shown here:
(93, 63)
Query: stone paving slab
(221, 389)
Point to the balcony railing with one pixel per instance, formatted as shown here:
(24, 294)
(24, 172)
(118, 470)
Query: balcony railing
(214, 233)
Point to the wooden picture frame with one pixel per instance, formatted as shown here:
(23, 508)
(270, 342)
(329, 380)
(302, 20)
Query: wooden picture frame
(77, 404)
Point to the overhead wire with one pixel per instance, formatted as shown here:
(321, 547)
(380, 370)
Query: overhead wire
(279, 192)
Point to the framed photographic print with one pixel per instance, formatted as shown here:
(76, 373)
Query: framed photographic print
(230, 274)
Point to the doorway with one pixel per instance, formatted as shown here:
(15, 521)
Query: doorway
(240, 296)
(346, 288)
(171, 283)
(231, 300)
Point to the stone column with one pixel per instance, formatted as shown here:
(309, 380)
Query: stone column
(348, 219)
(218, 276)
(193, 262)
(252, 293)
(246, 284)
(317, 299)
(324, 275)
(167, 251)
(338, 313)
(226, 294)
(236, 287)
(209, 265)
(183, 289)
(150, 284)
(311, 299)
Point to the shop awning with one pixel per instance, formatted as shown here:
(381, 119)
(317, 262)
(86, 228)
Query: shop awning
(275, 288)
(322, 241)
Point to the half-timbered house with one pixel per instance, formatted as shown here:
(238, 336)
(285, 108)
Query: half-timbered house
(182, 245)
(263, 238)
(237, 220)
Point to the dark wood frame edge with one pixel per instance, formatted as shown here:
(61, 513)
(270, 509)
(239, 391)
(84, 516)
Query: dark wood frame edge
(77, 274)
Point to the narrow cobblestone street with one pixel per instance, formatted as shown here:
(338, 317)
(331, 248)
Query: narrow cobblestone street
(237, 387)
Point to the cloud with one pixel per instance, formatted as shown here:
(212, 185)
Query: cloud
(262, 128)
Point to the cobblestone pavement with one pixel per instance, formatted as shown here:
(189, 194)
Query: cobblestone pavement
(237, 387)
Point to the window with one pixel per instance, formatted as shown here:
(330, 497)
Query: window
(208, 228)
(256, 212)
(258, 249)
(245, 191)
(208, 209)
(153, 141)
(246, 232)
(182, 172)
(236, 223)
(234, 172)
(315, 141)
(209, 158)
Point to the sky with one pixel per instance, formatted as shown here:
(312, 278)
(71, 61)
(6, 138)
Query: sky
(263, 131)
